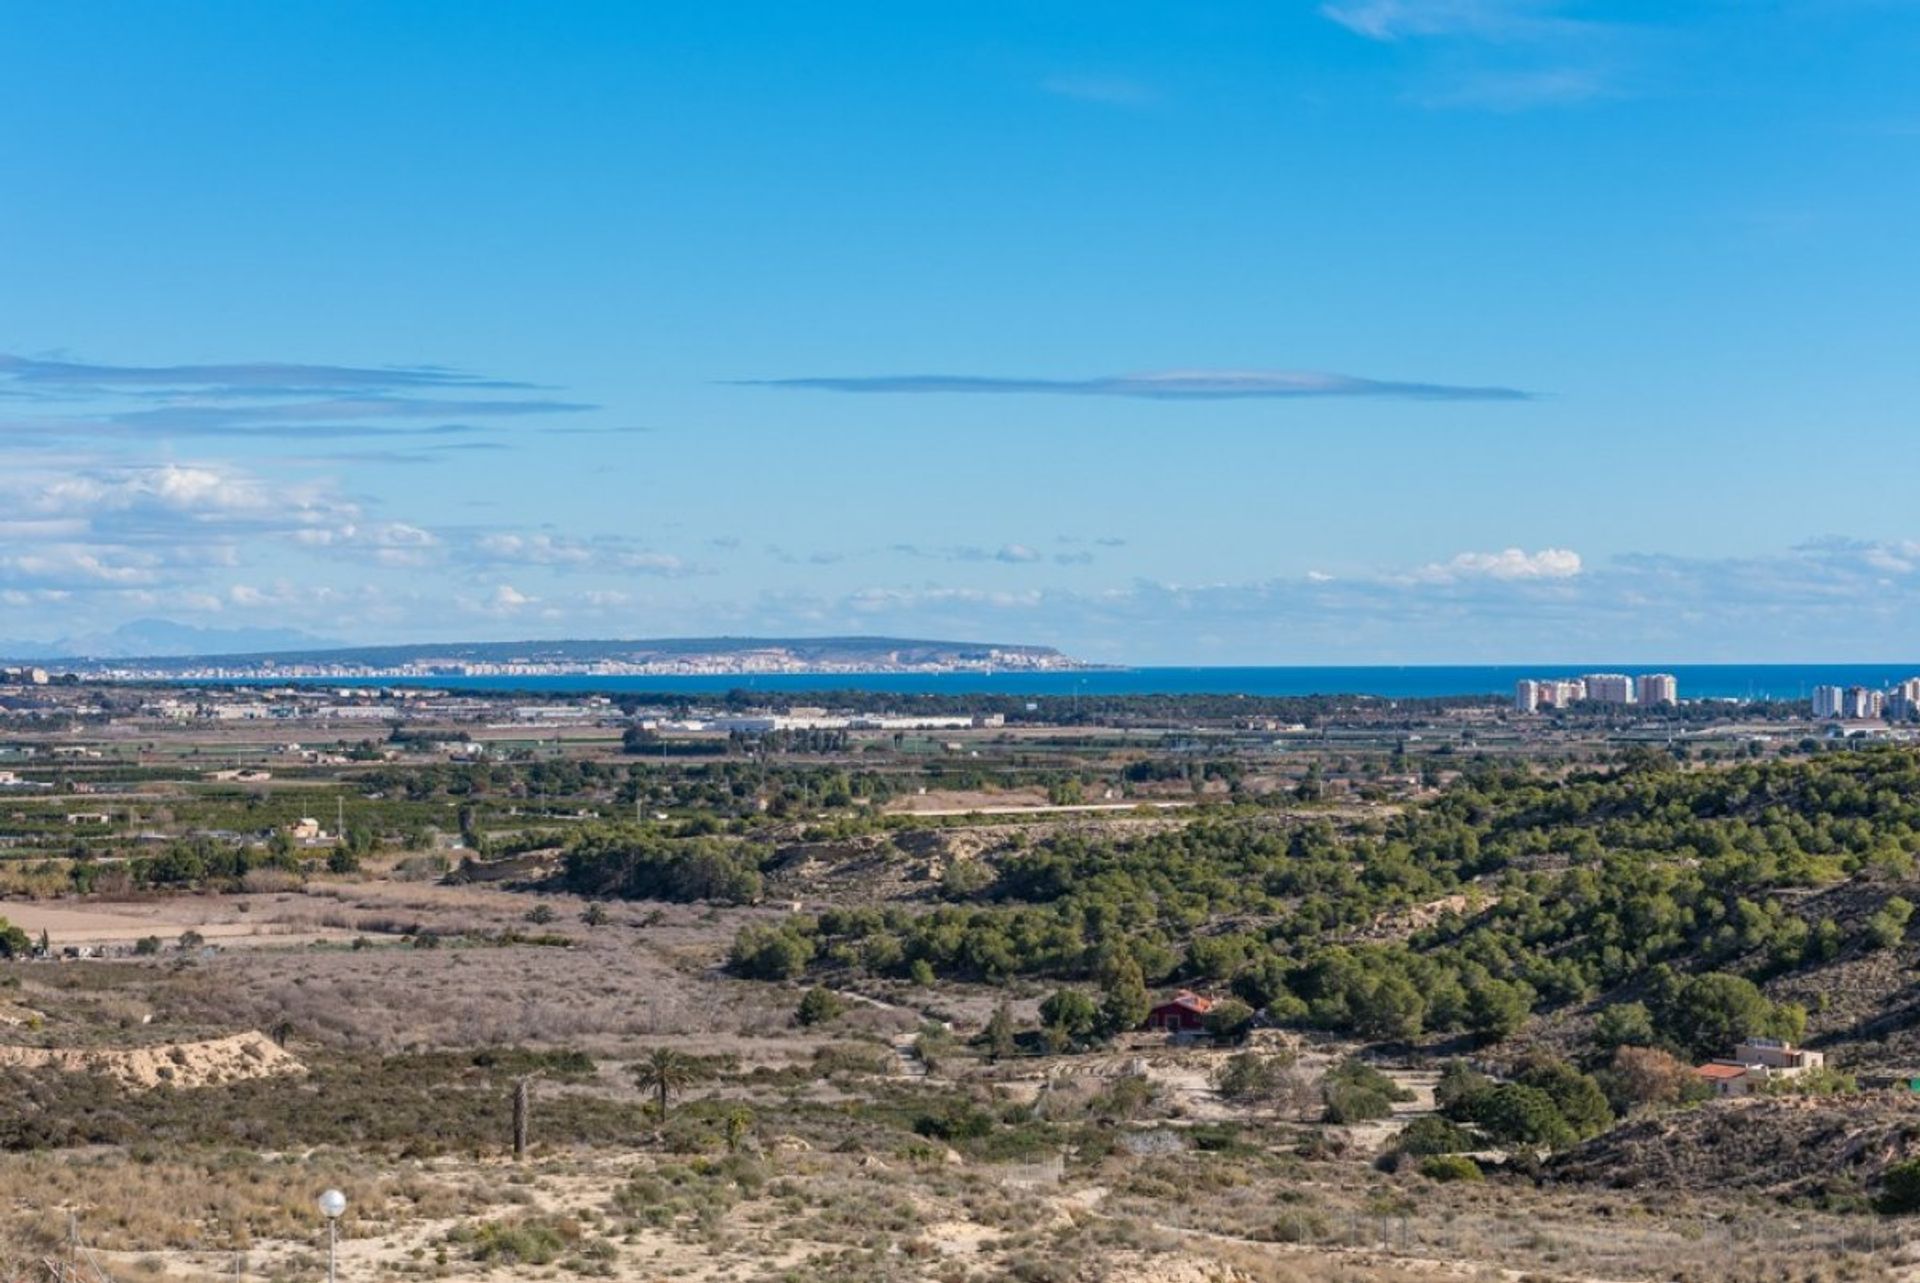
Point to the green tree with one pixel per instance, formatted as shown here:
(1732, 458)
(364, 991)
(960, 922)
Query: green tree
(1717, 1010)
(1432, 1134)
(1576, 1095)
(1124, 1004)
(1497, 1009)
(999, 1034)
(1071, 1014)
(1888, 927)
(1229, 1020)
(664, 1072)
(818, 1006)
(1900, 1188)
(1390, 1009)
(1522, 1115)
(763, 952)
(739, 1123)
(1624, 1024)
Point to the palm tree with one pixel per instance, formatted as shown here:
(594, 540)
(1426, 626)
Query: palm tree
(664, 1072)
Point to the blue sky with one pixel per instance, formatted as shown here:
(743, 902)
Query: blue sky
(1364, 331)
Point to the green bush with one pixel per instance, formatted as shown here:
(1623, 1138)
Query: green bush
(818, 1006)
(1449, 1167)
(1355, 1092)
(1900, 1189)
(957, 1120)
(531, 1240)
(1434, 1135)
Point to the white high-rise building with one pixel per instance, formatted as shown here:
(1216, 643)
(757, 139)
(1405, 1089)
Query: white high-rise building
(1862, 703)
(1527, 695)
(1903, 701)
(1829, 701)
(1567, 693)
(1609, 688)
(1659, 688)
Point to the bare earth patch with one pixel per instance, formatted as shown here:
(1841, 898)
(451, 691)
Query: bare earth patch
(183, 1064)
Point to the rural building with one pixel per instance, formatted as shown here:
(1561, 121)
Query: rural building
(1757, 1062)
(1185, 1013)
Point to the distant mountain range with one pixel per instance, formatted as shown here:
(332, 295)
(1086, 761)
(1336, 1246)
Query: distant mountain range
(161, 648)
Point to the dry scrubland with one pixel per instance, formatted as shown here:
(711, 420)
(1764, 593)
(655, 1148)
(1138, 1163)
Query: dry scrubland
(796, 1157)
(269, 1025)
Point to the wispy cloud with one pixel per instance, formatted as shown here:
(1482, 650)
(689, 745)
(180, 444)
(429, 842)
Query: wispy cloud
(202, 417)
(273, 378)
(1519, 90)
(1499, 55)
(501, 548)
(1173, 385)
(269, 401)
(1107, 90)
(1011, 554)
(1498, 20)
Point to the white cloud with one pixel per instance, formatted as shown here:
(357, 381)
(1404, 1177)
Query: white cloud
(1508, 564)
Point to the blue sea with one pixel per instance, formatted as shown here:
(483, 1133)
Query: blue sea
(1697, 681)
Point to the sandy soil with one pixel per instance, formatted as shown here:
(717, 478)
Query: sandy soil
(186, 1064)
(222, 923)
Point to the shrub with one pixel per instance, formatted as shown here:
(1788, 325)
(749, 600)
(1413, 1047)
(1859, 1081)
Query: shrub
(1575, 1095)
(1449, 1167)
(957, 1120)
(1253, 1077)
(528, 1241)
(1229, 1020)
(818, 1006)
(1355, 1092)
(1434, 1135)
(1647, 1076)
(770, 953)
(1900, 1189)
(1522, 1115)
(1624, 1024)
(1071, 1013)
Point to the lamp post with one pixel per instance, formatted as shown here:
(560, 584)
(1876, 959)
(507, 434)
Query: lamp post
(332, 1203)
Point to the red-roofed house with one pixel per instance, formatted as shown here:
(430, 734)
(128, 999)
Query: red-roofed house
(1185, 1013)
(1756, 1062)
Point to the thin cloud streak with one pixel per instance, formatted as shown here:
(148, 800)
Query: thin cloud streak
(1108, 91)
(246, 378)
(1174, 385)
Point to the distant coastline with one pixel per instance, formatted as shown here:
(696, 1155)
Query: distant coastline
(1748, 682)
(597, 659)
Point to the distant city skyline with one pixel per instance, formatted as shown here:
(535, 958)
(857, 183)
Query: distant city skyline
(1366, 331)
